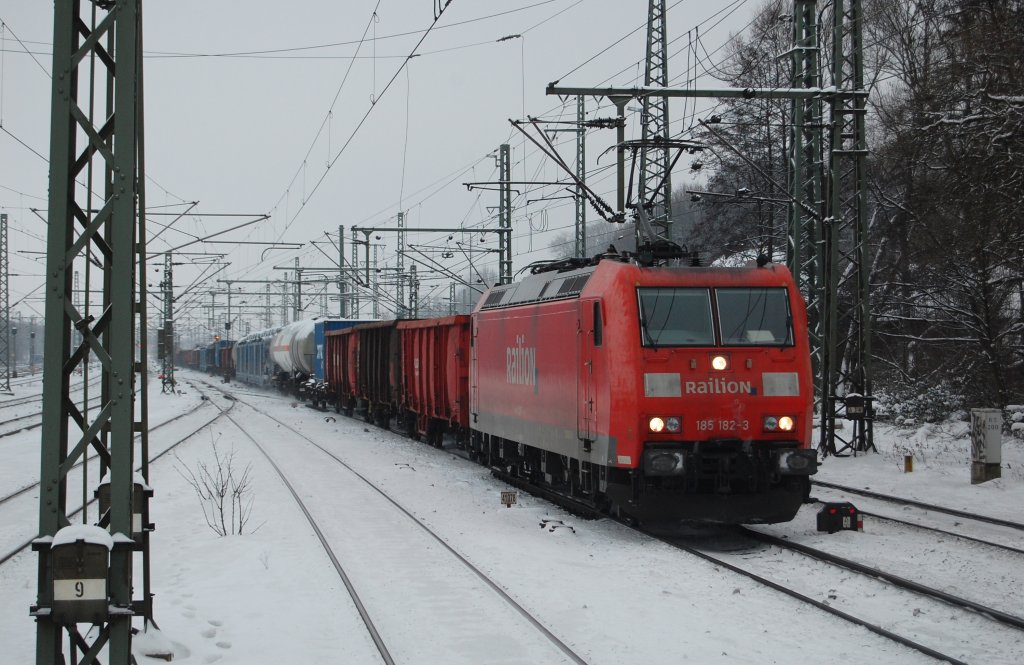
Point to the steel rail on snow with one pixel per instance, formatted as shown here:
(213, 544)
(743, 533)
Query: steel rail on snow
(24, 546)
(895, 580)
(564, 648)
(922, 504)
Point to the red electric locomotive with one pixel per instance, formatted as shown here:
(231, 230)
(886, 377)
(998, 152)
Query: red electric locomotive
(658, 393)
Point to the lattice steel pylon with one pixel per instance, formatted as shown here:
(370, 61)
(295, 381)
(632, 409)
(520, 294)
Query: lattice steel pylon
(846, 372)
(505, 215)
(655, 189)
(96, 177)
(806, 208)
(5, 314)
(400, 308)
(581, 178)
(355, 273)
(167, 381)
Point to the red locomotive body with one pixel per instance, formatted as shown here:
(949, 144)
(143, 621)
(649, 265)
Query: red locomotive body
(435, 377)
(340, 362)
(661, 393)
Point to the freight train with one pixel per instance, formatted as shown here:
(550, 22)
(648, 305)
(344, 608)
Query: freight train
(658, 394)
(288, 358)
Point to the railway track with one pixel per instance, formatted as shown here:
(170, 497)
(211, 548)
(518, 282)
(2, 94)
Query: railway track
(925, 632)
(720, 559)
(27, 422)
(7, 499)
(929, 620)
(459, 583)
(21, 401)
(921, 504)
(1008, 625)
(917, 526)
(893, 579)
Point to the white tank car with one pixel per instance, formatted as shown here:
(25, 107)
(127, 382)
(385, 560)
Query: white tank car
(293, 348)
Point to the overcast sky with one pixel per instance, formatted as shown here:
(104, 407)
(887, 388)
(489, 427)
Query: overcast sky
(247, 103)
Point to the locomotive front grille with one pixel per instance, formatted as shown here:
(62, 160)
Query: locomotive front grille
(724, 467)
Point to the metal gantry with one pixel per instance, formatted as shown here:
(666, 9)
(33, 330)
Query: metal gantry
(828, 247)
(846, 375)
(655, 182)
(804, 253)
(103, 215)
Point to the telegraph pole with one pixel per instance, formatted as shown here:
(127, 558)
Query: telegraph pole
(5, 314)
(112, 160)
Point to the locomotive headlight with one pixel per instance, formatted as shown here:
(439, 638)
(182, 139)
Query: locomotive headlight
(779, 423)
(656, 424)
(720, 363)
(673, 424)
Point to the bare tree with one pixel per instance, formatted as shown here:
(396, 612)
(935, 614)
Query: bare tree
(225, 495)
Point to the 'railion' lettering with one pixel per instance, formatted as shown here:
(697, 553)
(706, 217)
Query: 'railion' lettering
(521, 363)
(718, 387)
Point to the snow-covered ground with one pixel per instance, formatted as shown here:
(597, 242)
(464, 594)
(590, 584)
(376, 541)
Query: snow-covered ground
(611, 594)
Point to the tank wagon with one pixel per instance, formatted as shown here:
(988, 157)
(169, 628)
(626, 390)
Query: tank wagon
(289, 358)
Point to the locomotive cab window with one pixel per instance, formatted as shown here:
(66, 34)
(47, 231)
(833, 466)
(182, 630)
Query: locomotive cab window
(754, 316)
(676, 317)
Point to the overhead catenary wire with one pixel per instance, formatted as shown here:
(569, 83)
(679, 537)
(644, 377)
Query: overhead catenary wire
(359, 125)
(402, 202)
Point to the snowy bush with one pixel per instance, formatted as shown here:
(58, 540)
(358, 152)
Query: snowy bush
(910, 403)
(1015, 416)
